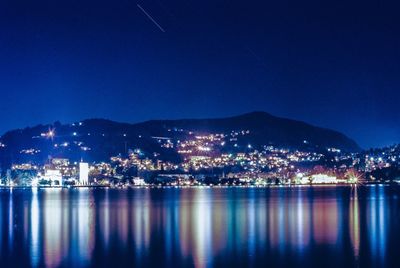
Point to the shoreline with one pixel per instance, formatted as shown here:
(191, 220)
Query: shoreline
(200, 186)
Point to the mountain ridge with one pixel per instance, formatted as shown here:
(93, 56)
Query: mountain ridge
(97, 139)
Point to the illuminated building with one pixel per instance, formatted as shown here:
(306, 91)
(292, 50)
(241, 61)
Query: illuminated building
(60, 161)
(323, 179)
(83, 173)
(54, 176)
(138, 181)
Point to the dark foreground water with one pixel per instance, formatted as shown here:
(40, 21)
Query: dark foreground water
(203, 227)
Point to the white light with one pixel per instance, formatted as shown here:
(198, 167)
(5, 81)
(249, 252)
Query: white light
(83, 173)
(50, 134)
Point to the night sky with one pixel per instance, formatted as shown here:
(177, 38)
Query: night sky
(331, 63)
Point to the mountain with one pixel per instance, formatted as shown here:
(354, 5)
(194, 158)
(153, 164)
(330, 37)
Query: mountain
(99, 139)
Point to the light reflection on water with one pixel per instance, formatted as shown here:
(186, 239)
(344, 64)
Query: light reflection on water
(354, 223)
(201, 227)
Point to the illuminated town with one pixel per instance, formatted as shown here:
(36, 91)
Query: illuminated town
(205, 161)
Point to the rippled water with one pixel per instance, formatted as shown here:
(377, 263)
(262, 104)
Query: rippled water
(201, 227)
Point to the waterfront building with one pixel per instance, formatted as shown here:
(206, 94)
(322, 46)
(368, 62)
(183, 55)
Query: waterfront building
(323, 179)
(53, 176)
(83, 173)
(138, 181)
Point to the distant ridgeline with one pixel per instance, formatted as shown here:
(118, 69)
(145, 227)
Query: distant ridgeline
(99, 139)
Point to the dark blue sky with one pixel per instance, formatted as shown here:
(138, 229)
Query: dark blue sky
(331, 63)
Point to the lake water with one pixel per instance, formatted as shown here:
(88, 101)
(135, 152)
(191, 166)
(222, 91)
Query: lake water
(201, 227)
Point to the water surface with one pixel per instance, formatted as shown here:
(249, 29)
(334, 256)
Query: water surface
(201, 227)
